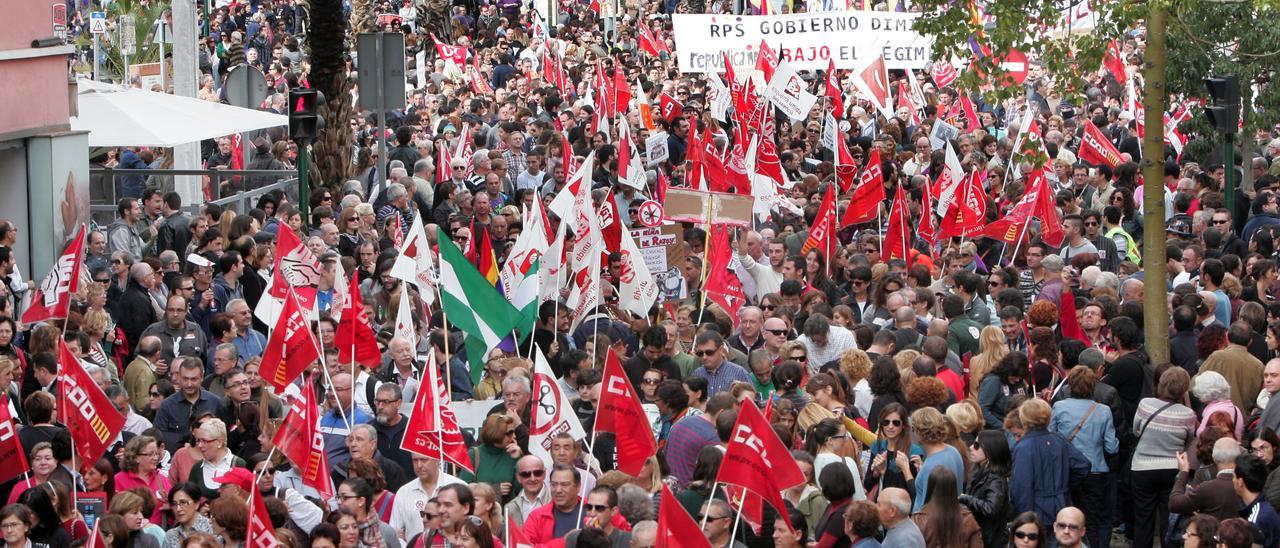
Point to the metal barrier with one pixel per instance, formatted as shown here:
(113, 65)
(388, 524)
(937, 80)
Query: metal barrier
(102, 207)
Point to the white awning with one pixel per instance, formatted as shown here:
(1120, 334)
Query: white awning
(117, 116)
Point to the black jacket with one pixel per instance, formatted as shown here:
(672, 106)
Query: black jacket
(987, 496)
(135, 313)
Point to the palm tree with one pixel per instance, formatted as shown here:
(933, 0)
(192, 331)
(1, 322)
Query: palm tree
(327, 42)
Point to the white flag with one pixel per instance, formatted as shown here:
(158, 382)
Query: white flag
(579, 182)
(552, 411)
(404, 320)
(637, 288)
(413, 262)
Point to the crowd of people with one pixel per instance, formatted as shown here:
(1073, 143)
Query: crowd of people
(975, 392)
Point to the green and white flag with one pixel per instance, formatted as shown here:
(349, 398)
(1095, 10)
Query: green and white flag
(473, 305)
(523, 294)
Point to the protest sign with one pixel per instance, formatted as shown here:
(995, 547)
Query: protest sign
(808, 41)
(691, 206)
(653, 247)
(789, 92)
(941, 134)
(672, 285)
(655, 149)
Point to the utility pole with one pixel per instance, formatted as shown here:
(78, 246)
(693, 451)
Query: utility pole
(185, 73)
(1155, 307)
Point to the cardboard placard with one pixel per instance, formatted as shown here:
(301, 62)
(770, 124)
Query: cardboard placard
(654, 245)
(695, 206)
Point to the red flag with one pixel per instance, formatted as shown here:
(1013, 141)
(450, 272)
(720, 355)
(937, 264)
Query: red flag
(865, 203)
(897, 242)
(457, 54)
(1095, 148)
(1070, 323)
(444, 162)
(478, 83)
(833, 90)
(926, 230)
(432, 419)
(13, 459)
(292, 347)
(904, 99)
(620, 412)
(757, 460)
(713, 169)
(737, 90)
(676, 528)
(91, 419)
(570, 163)
(621, 91)
(515, 535)
(944, 74)
(295, 267)
(1113, 61)
(968, 213)
(1047, 211)
(610, 225)
(648, 42)
(766, 60)
(846, 169)
(669, 107)
(260, 533)
(970, 113)
(736, 163)
(823, 232)
(354, 338)
(300, 439)
(52, 299)
(95, 537)
(723, 286)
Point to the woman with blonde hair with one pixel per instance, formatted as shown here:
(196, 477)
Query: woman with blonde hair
(96, 324)
(991, 349)
(967, 417)
(487, 508)
(856, 366)
(934, 432)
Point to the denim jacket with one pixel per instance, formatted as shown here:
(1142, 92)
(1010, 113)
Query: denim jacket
(1096, 438)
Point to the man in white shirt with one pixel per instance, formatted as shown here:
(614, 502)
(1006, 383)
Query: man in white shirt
(768, 277)
(825, 342)
(411, 499)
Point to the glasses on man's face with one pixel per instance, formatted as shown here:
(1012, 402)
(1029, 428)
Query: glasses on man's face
(1091, 223)
(1067, 526)
(778, 332)
(386, 402)
(705, 353)
(800, 358)
(710, 519)
(597, 508)
(1220, 221)
(651, 381)
(526, 474)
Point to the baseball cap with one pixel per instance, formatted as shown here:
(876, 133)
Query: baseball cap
(239, 477)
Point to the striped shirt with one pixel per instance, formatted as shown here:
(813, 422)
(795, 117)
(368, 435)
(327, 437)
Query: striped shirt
(1166, 433)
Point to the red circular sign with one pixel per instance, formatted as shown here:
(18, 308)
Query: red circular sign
(1015, 63)
(650, 213)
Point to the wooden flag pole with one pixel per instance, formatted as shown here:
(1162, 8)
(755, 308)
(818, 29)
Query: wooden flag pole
(448, 358)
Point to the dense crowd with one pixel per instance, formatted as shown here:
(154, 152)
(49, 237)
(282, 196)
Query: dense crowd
(970, 391)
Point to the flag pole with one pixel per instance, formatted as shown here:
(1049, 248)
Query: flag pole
(582, 499)
(714, 485)
(448, 358)
(706, 254)
(738, 517)
(267, 460)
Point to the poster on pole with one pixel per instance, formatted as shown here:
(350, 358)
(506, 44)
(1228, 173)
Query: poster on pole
(655, 149)
(788, 91)
(850, 38)
(941, 134)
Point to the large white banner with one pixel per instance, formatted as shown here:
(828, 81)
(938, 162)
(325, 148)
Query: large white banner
(806, 40)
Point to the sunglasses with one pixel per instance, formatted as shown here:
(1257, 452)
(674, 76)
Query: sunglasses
(596, 507)
(767, 307)
(532, 474)
(652, 381)
(705, 353)
(800, 358)
(891, 422)
(1027, 536)
(778, 332)
(710, 519)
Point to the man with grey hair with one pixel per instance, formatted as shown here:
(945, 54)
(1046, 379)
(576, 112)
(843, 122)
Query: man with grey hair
(894, 508)
(362, 443)
(1267, 401)
(825, 342)
(1131, 291)
(390, 424)
(1216, 497)
(142, 372)
(133, 423)
(516, 401)
(249, 343)
(422, 178)
(717, 521)
(136, 311)
(397, 205)
(644, 534)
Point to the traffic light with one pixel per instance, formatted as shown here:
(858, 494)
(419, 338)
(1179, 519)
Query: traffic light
(304, 113)
(1224, 113)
